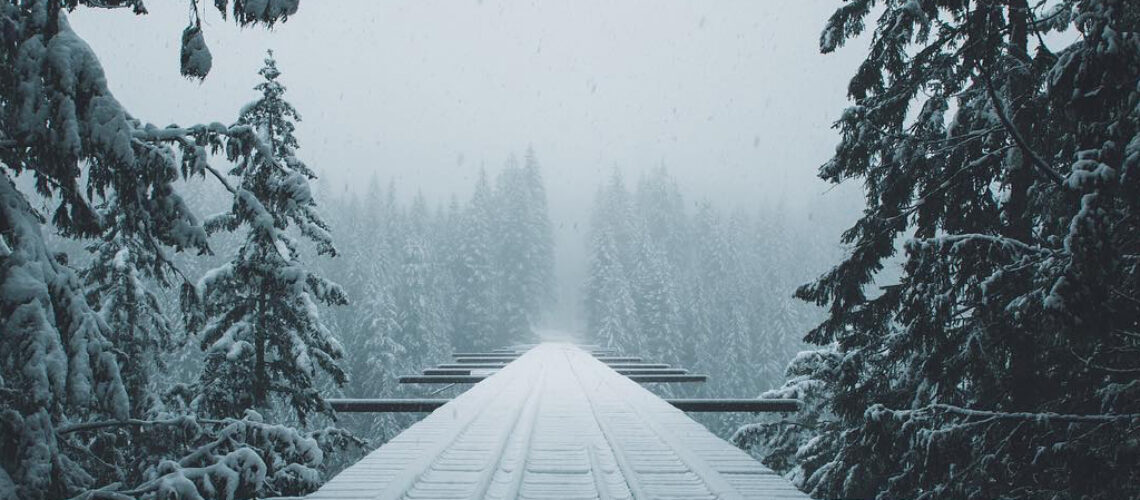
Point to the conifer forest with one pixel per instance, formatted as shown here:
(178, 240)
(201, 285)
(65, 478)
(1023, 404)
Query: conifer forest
(918, 219)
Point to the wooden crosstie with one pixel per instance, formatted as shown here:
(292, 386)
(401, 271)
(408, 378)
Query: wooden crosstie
(556, 422)
(474, 367)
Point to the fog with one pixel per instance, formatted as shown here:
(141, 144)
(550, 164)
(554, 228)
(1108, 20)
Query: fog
(733, 98)
(569, 249)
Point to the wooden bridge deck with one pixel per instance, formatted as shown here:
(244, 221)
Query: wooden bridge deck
(556, 424)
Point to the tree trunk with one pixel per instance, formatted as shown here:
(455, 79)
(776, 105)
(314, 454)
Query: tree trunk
(1019, 179)
(260, 376)
(1019, 174)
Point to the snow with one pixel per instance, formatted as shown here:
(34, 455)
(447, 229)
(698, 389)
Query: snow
(269, 9)
(214, 277)
(196, 58)
(556, 423)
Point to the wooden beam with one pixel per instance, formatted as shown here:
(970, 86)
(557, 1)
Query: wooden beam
(386, 405)
(484, 354)
(474, 379)
(441, 379)
(447, 371)
(465, 370)
(689, 405)
(652, 371)
(691, 377)
(635, 366)
(486, 359)
(736, 405)
(619, 359)
(499, 363)
(523, 349)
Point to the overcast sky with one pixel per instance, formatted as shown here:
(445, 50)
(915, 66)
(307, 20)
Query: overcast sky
(732, 96)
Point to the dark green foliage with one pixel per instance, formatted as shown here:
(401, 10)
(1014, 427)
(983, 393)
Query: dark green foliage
(265, 338)
(79, 375)
(473, 268)
(523, 250)
(430, 282)
(698, 290)
(1003, 363)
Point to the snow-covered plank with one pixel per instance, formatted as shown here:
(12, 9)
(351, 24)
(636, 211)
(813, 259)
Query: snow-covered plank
(387, 405)
(557, 424)
(736, 405)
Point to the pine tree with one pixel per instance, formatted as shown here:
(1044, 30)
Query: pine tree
(540, 236)
(726, 347)
(265, 338)
(611, 313)
(524, 255)
(1003, 361)
(661, 207)
(662, 266)
(120, 280)
(779, 261)
(474, 271)
(655, 298)
(421, 328)
(63, 392)
(795, 445)
(375, 357)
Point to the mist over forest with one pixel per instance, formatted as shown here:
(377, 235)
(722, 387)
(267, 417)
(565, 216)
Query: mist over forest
(829, 249)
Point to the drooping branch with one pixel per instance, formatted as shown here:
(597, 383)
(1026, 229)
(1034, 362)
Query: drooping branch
(134, 422)
(1022, 144)
(243, 132)
(1030, 416)
(185, 140)
(998, 241)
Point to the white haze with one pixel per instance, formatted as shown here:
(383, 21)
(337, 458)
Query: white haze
(732, 96)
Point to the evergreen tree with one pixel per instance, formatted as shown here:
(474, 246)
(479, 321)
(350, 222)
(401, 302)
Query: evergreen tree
(655, 298)
(726, 347)
(421, 328)
(474, 272)
(1003, 361)
(795, 445)
(661, 209)
(363, 269)
(375, 357)
(140, 330)
(662, 264)
(524, 255)
(74, 381)
(447, 229)
(611, 313)
(265, 337)
(540, 241)
(780, 261)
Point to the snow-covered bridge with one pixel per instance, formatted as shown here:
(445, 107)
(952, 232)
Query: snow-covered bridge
(556, 423)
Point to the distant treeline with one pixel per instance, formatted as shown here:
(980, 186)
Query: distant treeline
(430, 280)
(693, 286)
